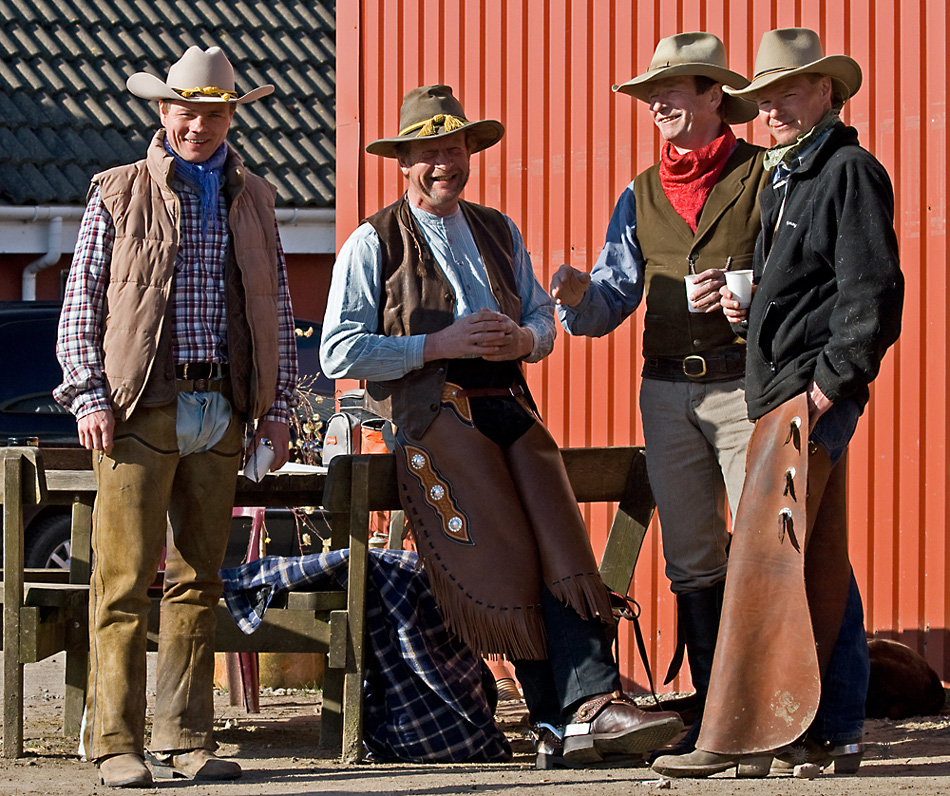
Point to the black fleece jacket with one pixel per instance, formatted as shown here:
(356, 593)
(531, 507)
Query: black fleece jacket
(830, 290)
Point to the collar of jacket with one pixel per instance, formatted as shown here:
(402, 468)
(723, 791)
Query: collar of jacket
(840, 135)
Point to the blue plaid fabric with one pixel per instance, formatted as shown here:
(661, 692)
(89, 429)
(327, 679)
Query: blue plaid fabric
(424, 698)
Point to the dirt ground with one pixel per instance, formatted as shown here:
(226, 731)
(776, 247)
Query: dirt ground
(278, 750)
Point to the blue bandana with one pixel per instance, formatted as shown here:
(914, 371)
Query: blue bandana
(205, 179)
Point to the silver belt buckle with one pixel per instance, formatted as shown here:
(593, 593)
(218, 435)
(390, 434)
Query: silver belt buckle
(694, 358)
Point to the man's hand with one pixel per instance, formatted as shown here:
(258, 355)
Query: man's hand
(279, 435)
(818, 404)
(568, 285)
(488, 334)
(96, 429)
(730, 306)
(705, 291)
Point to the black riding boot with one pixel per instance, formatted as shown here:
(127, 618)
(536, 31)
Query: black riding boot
(699, 613)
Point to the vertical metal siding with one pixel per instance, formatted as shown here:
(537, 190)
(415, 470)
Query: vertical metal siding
(544, 68)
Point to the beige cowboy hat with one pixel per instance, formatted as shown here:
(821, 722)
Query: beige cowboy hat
(198, 76)
(433, 112)
(797, 51)
(697, 54)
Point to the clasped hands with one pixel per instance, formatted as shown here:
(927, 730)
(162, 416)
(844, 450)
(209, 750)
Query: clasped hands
(487, 334)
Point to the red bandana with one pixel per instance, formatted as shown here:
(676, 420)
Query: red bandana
(689, 178)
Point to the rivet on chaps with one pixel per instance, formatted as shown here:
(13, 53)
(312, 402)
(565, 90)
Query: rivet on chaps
(765, 683)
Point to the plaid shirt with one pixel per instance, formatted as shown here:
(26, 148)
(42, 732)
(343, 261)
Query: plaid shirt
(199, 333)
(424, 700)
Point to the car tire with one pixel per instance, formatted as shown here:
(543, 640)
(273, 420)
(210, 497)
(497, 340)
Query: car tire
(48, 543)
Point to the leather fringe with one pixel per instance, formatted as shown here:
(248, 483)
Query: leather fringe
(586, 593)
(517, 634)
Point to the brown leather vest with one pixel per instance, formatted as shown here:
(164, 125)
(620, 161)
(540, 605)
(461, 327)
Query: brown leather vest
(136, 339)
(725, 237)
(418, 299)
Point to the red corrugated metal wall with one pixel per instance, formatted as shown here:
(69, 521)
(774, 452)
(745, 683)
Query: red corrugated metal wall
(544, 68)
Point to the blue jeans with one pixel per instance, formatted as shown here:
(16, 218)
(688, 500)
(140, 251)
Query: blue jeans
(844, 688)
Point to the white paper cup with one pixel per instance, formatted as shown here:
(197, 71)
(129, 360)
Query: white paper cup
(690, 280)
(740, 285)
(259, 463)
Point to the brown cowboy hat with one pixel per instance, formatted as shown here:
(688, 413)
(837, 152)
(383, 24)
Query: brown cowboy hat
(697, 54)
(198, 76)
(797, 51)
(432, 112)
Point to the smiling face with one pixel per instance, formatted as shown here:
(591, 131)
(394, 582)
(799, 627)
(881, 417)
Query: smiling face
(437, 170)
(686, 119)
(793, 105)
(195, 130)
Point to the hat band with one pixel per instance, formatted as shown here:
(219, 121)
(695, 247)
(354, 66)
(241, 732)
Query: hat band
(427, 127)
(207, 91)
(765, 72)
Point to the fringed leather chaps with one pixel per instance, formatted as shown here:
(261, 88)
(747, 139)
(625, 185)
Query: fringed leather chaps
(479, 515)
(786, 587)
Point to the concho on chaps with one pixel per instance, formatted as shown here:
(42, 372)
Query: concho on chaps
(488, 542)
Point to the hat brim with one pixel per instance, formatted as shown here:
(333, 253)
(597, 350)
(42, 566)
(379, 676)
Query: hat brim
(481, 135)
(149, 87)
(842, 69)
(737, 109)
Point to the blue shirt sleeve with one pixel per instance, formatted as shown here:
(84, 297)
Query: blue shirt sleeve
(616, 285)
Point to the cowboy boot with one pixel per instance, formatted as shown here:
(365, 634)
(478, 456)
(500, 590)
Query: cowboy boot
(700, 764)
(699, 623)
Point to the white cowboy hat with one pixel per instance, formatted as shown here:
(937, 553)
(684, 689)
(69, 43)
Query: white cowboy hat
(697, 54)
(797, 51)
(198, 76)
(433, 112)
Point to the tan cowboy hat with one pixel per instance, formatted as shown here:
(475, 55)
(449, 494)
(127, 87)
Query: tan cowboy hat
(697, 54)
(797, 51)
(432, 112)
(198, 76)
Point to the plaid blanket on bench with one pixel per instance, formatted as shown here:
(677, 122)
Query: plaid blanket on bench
(424, 695)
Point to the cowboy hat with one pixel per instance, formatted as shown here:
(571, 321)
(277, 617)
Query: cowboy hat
(696, 54)
(797, 51)
(433, 112)
(198, 76)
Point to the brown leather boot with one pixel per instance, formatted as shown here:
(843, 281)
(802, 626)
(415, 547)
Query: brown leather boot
(124, 771)
(613, 724)
(194, 764)
(700, 764)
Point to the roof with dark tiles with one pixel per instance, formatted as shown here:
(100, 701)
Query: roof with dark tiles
(65, 112)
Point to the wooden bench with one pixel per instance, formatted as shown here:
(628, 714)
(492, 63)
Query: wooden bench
(46, 611)
(41, 617)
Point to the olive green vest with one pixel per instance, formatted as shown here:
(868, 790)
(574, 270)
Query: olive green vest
(724, 238)
(418, 299)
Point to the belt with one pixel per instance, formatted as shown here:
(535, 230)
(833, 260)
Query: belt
(491, 392)
(201, 370)
(722, 365)
(201, 385)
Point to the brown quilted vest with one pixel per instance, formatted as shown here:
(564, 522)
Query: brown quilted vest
(136, 339)
(418, 299)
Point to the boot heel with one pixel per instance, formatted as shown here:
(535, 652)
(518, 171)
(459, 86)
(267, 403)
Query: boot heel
(847, 758)
(754, 766)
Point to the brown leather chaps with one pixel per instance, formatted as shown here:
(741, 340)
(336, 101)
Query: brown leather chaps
(786, 587)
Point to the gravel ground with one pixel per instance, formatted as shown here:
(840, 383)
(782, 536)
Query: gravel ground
(278, 750)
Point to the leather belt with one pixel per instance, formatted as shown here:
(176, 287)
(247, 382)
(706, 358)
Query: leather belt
(491, 392)
(201, 370)
(722, 365)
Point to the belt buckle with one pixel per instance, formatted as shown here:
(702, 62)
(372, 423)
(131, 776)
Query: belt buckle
(201, 385)
(694, 358)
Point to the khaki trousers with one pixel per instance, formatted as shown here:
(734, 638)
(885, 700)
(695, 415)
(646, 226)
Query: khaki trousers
(143, 481)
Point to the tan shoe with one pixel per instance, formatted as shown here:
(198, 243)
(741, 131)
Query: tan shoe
(699, 764)
(612, 724)
(124, 771)
(194, 764)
